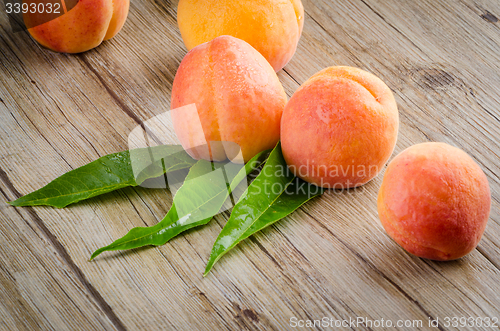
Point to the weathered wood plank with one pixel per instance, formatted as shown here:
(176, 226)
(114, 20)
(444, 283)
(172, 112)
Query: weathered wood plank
(329, 259)
(41, 287)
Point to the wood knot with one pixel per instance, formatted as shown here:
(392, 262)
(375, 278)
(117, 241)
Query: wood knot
(435, 78)
(489, 17)
(248, 314)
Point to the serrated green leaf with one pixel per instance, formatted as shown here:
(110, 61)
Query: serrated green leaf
(108, 173)
(206, 188)
(274, 194)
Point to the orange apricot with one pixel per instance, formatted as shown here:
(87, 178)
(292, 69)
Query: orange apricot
(434, 201)
(82, 28)
(238, 98)
(339, 128)
(272, 27)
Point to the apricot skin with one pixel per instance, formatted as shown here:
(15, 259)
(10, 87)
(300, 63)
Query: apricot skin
(238, 97)
(82, 28)
(272, 27)
(434, 201)
(339, 128)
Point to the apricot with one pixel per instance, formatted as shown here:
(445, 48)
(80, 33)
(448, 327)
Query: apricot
(339, 128)
(434, 201)
(82, 28)
(238, 97)
(272, 27)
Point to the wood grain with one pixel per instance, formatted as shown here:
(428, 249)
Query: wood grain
(331, 258)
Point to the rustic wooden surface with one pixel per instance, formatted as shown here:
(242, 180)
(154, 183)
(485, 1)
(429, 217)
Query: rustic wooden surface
(331, 258)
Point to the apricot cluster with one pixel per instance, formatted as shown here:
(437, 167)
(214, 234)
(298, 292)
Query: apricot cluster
(338, 130)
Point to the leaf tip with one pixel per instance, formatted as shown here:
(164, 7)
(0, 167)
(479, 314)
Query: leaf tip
(95, 254)
(17, 203)
(208, 268)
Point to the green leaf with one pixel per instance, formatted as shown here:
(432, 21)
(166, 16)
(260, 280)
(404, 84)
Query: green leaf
(274, 194)
(206, 188)
(108, 173)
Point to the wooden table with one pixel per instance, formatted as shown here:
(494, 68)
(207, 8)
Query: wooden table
(331, 258)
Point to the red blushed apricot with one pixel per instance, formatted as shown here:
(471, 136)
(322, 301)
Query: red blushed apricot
(434, 201)
(82, 28)
(238, 97)
(339, 128)
(272, 27)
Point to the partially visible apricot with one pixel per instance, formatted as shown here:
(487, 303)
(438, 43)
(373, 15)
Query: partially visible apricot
(339, 128)
(272, 27)
(82, 28)
(434, 201)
